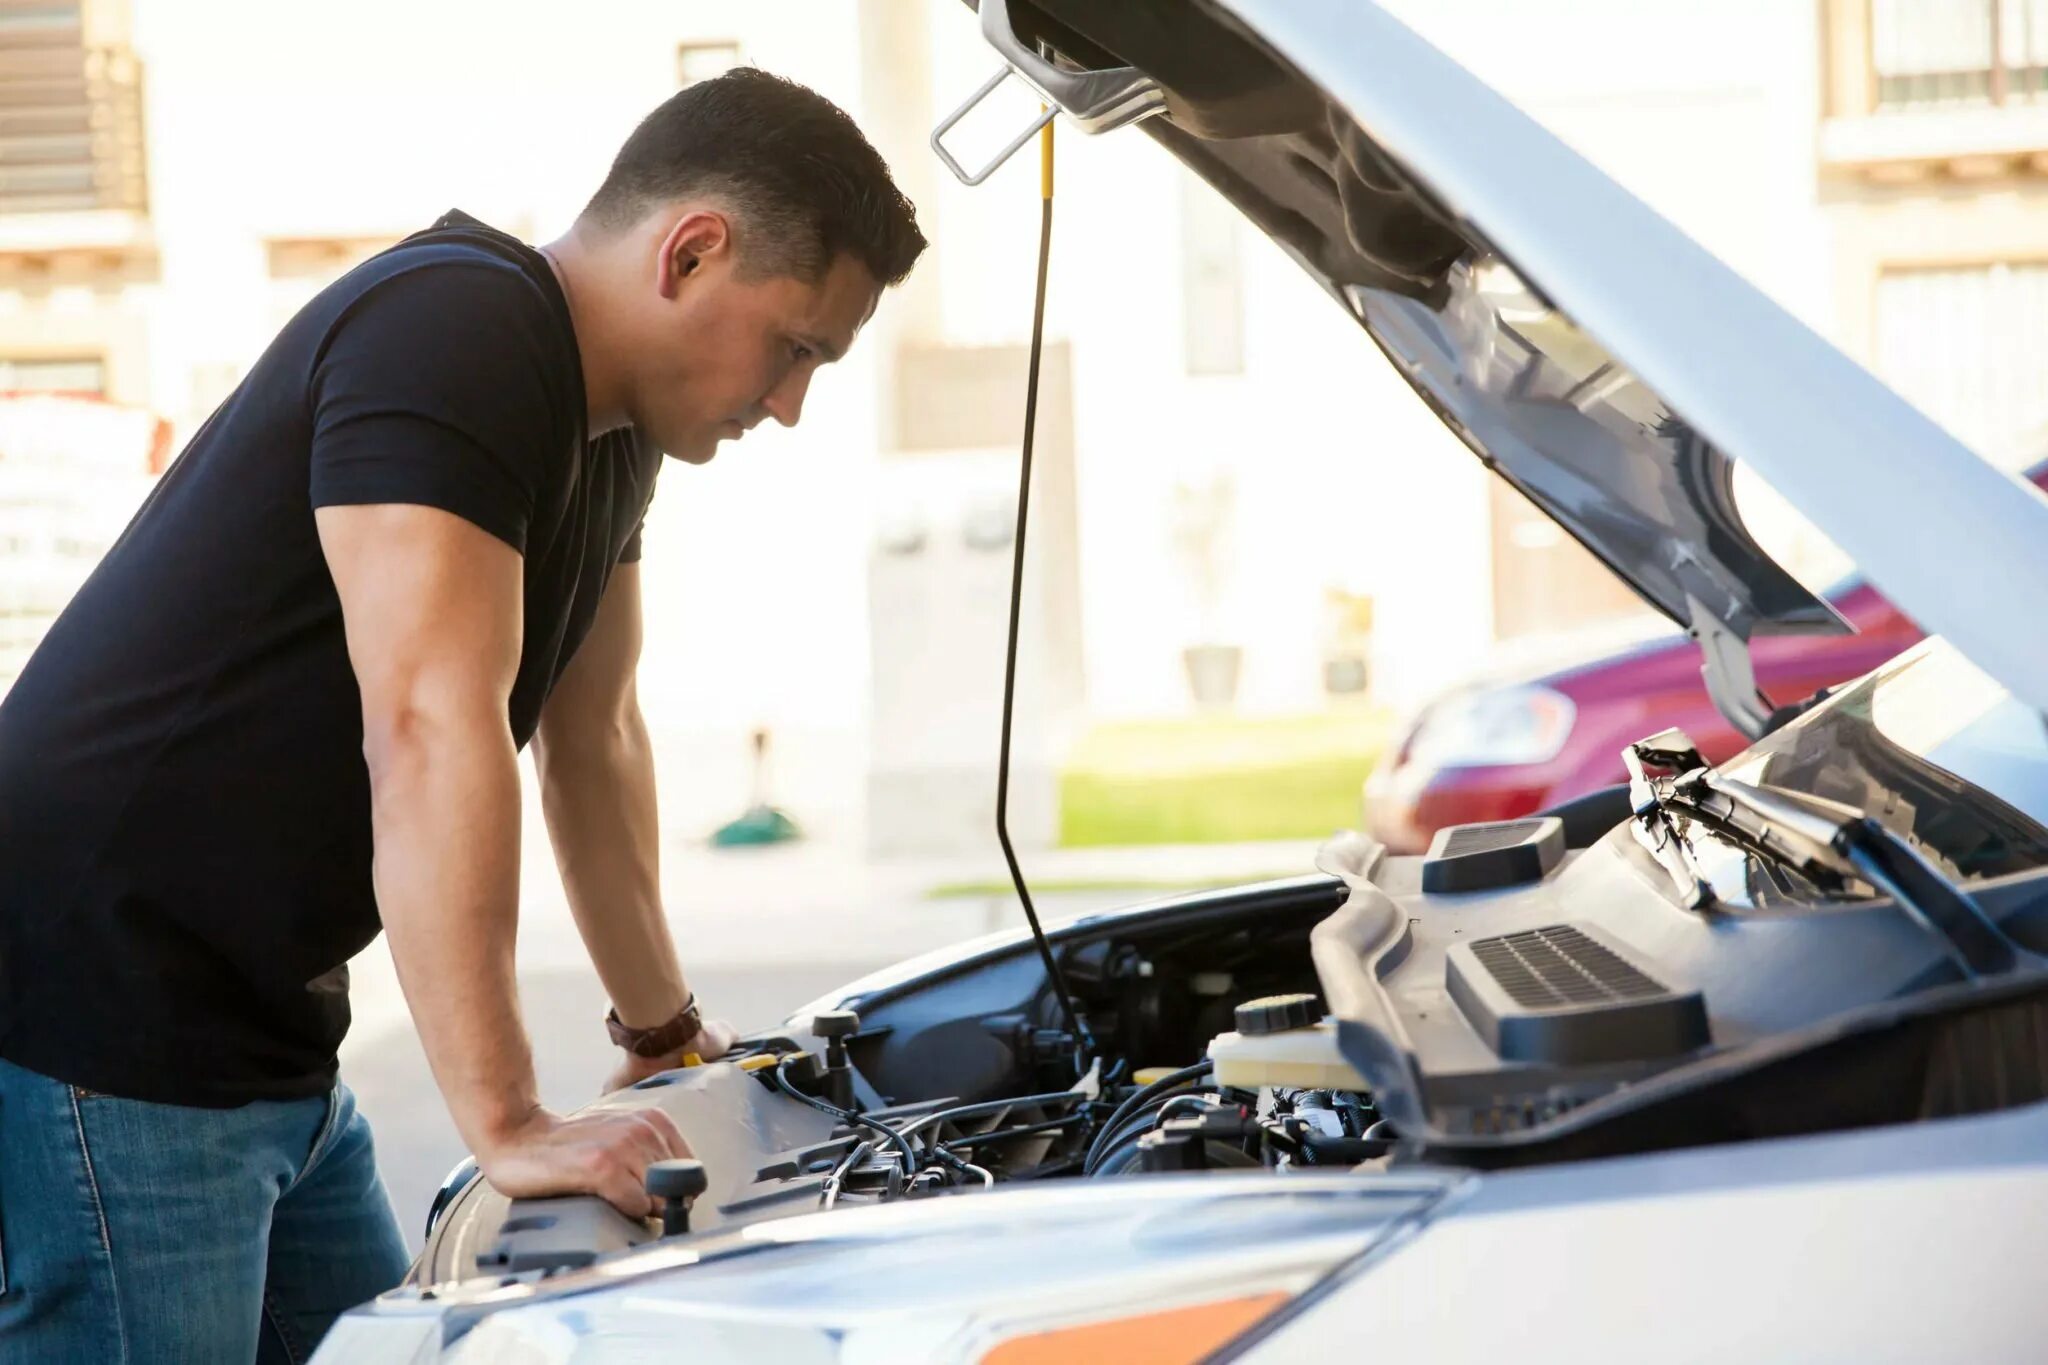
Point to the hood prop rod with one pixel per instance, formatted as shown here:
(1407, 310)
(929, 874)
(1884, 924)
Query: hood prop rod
(1083, 1039)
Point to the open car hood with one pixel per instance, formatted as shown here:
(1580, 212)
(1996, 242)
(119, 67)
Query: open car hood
(1587, 351)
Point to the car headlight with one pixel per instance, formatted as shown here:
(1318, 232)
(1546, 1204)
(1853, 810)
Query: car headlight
(1183, 1265)
(1493, 726)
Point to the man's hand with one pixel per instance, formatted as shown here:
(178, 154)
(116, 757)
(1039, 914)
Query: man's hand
(714, 1041)
(605, 1154)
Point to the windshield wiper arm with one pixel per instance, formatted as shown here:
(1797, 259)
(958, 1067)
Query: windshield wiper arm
(1654, 765)
(1824, 841)
(1894, 866)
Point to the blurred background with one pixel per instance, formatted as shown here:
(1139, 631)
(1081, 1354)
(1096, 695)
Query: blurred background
(1268, 595)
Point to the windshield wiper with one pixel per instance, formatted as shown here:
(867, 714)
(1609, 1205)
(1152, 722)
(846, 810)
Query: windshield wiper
(1654, 766)
(1826, 842)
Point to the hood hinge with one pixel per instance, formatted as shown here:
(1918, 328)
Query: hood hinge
(1729, 671)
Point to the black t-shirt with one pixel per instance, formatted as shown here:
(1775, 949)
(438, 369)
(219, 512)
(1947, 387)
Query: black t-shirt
(184, 807)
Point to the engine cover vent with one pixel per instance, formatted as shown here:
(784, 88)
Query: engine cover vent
(1560, 966)
(1487, 857)
(1460, 840)
(1559, 994)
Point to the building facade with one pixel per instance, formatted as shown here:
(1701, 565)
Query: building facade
(1239, 505)
(1933, 157)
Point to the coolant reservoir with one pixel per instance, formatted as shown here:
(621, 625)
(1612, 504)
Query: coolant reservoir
(1284, 1042)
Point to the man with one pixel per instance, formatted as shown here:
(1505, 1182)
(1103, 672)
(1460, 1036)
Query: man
(287, 708)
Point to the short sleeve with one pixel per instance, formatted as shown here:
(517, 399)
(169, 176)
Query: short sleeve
(442, 386)
(639, 464)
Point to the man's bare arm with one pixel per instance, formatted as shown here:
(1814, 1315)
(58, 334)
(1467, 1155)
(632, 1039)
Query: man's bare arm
(432, 611)
(598, 792)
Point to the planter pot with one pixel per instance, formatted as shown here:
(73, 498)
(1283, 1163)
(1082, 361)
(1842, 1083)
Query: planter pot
(1212, 674)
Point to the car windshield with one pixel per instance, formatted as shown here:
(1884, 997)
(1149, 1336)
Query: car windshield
(1932, 748)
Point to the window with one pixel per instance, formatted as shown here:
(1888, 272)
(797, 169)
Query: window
(1958, 53)
(701, 61)
(87, 375)
(70, 115)
(1969, 346)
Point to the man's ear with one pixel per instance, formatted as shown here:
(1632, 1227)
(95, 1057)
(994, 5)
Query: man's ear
(696, 238)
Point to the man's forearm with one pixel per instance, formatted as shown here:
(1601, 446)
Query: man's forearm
(445, 813)
(597, 790)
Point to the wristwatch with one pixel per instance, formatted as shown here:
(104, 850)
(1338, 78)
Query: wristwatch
(662, 1039)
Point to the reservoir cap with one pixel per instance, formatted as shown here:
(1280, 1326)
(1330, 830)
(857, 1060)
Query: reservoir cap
(1277, 1014)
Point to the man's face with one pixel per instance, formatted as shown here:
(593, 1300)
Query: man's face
(720, 352)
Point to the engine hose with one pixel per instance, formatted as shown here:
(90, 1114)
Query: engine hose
(847, 1117)
(961, 1111)
(1171, 1081)
(1142, 1115)
(1004, 1134)
(1166, 1106)
(1123, 1155)
(988, 1180)
(829, 1195)
(1142, 1120)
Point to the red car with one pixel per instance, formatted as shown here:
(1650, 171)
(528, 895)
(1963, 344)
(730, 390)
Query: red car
(1503, 749)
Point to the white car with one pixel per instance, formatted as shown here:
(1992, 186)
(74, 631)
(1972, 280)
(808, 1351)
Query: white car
(1756, 1072)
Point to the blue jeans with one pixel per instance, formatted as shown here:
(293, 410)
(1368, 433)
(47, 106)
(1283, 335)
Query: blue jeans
(132, 1232)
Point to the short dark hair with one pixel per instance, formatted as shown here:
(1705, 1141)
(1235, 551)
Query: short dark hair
(802, 183)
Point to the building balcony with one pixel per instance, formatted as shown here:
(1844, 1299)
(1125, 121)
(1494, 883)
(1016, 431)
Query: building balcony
(1926, 89)
(1955, 143)
(73, 168)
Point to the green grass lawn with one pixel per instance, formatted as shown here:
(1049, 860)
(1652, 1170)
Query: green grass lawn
(1224, 779)
(1053, 886)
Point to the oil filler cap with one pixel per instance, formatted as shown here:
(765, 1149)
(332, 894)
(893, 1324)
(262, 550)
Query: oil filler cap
(1277, 1014)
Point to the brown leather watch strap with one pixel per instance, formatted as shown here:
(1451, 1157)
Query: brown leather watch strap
(662, 1039)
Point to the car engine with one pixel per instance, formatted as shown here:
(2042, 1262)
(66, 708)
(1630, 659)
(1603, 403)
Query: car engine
(1508, 999)
(964, 1080)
